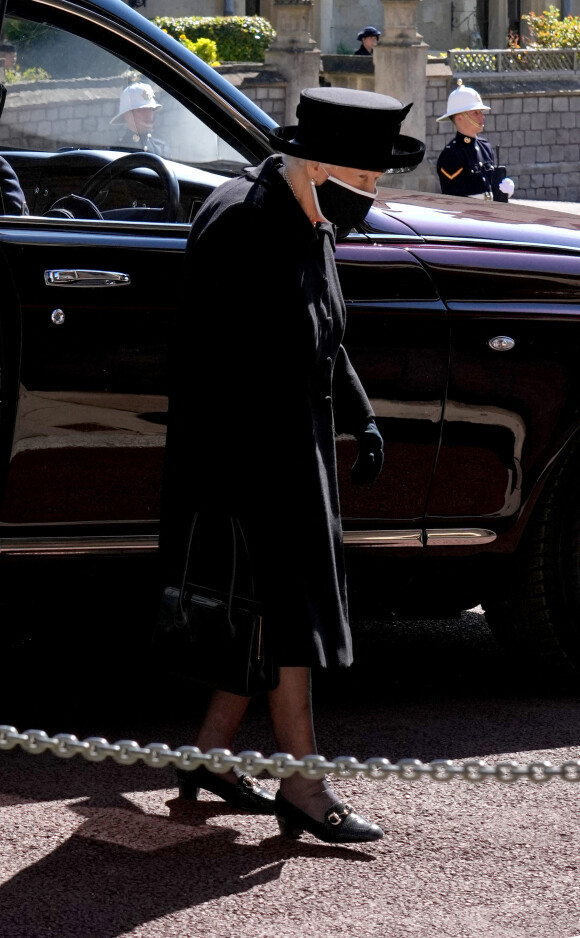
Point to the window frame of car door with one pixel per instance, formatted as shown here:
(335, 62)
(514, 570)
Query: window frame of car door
(187, 85)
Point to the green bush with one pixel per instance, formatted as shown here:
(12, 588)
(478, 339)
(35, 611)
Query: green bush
(29, 74)
(548, 31)
(238, 38)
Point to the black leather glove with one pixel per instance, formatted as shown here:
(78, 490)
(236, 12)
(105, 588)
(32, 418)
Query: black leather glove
(370, 455)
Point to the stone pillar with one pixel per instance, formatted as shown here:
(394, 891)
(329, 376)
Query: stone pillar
(322, 25)
(400, 59)
(498, 24)
(464, 28)
(294, 53)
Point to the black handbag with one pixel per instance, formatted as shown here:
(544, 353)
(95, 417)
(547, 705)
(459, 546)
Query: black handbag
(216, 637)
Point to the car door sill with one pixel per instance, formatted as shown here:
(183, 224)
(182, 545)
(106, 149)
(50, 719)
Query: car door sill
(418, 537)
(148, 543)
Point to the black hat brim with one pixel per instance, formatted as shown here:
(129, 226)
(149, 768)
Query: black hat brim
(407, 152)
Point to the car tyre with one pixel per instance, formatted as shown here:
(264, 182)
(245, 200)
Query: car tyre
(534, 611)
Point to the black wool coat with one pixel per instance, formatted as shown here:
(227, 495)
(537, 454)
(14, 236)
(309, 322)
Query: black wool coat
(260, 383)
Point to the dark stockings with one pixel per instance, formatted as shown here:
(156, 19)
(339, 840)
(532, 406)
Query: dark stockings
(291, 714)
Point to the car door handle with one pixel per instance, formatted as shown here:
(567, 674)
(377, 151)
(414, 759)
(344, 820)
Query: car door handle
(85, 278)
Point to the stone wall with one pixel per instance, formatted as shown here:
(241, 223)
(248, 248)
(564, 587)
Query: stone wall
(534, 126)
(535, 129)
(77, 112)
(47, 114)
(263, 85)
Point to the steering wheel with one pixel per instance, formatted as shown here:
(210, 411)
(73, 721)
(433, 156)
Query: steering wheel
(138, 160)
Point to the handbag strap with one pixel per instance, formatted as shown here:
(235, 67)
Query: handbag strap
(236, 532)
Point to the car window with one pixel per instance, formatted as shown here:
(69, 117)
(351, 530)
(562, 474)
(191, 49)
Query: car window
(71, 108)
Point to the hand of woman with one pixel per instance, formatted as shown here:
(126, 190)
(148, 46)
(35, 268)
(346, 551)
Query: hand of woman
(370, 455)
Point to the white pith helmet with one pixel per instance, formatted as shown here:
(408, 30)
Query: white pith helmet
(463, 99)
(135, 96)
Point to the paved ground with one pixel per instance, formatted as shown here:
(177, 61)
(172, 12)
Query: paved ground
(104, 851)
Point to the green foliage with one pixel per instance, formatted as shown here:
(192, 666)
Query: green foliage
(343, 48)
(238, 38)
(548, 31)
(205, 48)
(23, 31)
(29, 74)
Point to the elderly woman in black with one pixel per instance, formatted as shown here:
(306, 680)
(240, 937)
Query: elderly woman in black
(261, 383)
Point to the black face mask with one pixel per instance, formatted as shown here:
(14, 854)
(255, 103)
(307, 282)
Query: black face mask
(341, 204)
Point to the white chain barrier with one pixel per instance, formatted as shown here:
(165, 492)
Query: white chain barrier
(281, 764)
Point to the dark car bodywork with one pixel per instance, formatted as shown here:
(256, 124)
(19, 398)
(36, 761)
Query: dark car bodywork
(463, 322)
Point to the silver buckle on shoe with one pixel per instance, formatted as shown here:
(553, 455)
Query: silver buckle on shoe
(337, 817)
(248, 782)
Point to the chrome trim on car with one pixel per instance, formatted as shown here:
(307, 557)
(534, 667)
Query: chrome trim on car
(505, 308)
(85, 278)
(501, 343)
(501, 243)
(65, 546)
(359, 237)
(455, 537)
(149, 543)
(408, 538)
(377, 237)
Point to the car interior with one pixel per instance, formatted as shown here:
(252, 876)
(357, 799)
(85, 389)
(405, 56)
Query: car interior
(74, 162)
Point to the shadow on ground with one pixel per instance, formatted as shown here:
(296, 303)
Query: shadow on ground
(76, 660)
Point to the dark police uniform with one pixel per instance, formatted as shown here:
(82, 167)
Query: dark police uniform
(146, 142)
(466, 167)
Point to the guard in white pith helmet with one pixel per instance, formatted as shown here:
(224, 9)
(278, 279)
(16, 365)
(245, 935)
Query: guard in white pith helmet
(137, 110)
(467, 165)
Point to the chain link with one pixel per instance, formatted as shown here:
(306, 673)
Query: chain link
(282, 764)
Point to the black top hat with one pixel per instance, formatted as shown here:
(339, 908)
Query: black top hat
(345, 127)
(368, 31)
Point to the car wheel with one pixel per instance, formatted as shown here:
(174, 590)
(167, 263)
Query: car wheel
(535, 609)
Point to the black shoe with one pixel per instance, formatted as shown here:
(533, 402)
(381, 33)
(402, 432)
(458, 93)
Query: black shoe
(341, 824)
(245, 795)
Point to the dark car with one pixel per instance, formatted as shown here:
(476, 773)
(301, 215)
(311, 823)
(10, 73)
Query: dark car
(464, 326)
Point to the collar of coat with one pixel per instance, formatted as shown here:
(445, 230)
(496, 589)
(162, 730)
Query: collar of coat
(268, 175)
